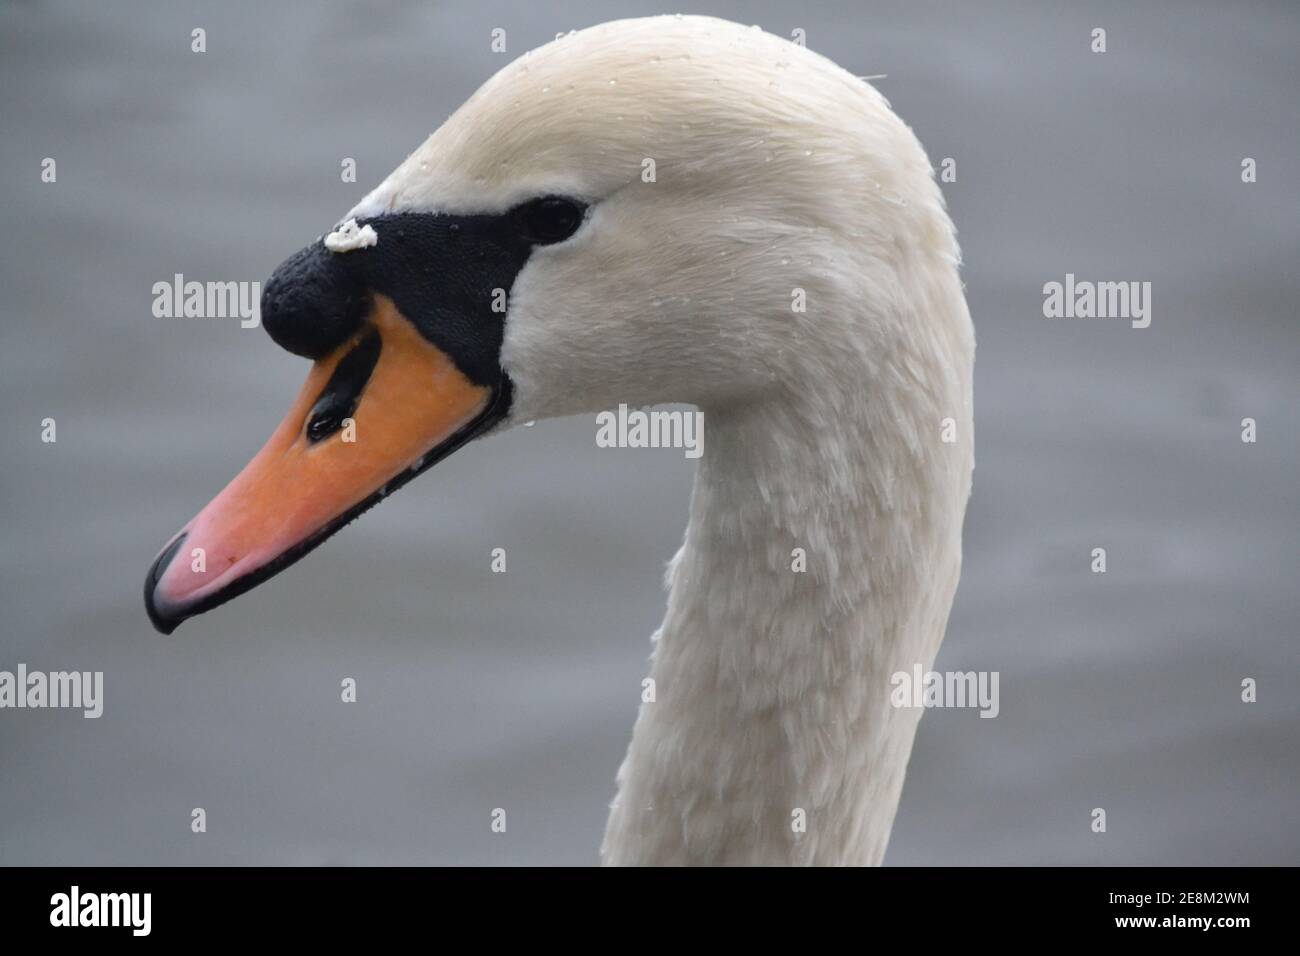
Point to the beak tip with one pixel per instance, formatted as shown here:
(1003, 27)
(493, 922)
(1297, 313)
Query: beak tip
(164, 618)
(162, 624)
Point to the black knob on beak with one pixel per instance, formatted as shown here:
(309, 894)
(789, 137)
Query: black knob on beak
(314, 302)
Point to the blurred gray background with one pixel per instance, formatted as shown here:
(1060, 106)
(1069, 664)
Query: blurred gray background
(519, 690)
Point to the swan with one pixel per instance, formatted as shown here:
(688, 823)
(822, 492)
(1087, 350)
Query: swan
(632, 215)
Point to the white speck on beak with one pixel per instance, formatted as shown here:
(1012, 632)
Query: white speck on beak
(349, 236)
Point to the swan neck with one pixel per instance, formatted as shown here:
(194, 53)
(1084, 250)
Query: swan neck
(817, 562)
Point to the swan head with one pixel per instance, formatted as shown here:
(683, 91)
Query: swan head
(670, 209)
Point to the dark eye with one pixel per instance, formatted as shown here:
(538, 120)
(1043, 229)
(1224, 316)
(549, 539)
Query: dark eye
(552, 218)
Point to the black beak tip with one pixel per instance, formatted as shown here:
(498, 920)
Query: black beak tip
(164, 623)
(161, 624)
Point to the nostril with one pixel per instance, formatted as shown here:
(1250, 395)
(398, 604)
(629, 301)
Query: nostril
(324, 424)
(312, 304)
(342, 392)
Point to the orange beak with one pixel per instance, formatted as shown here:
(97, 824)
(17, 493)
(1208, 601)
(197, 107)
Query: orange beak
(373, 413)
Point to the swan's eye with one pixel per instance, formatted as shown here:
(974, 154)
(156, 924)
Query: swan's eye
(551, 219)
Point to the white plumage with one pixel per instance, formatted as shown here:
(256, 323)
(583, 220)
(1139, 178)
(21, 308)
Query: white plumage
(773, 171)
